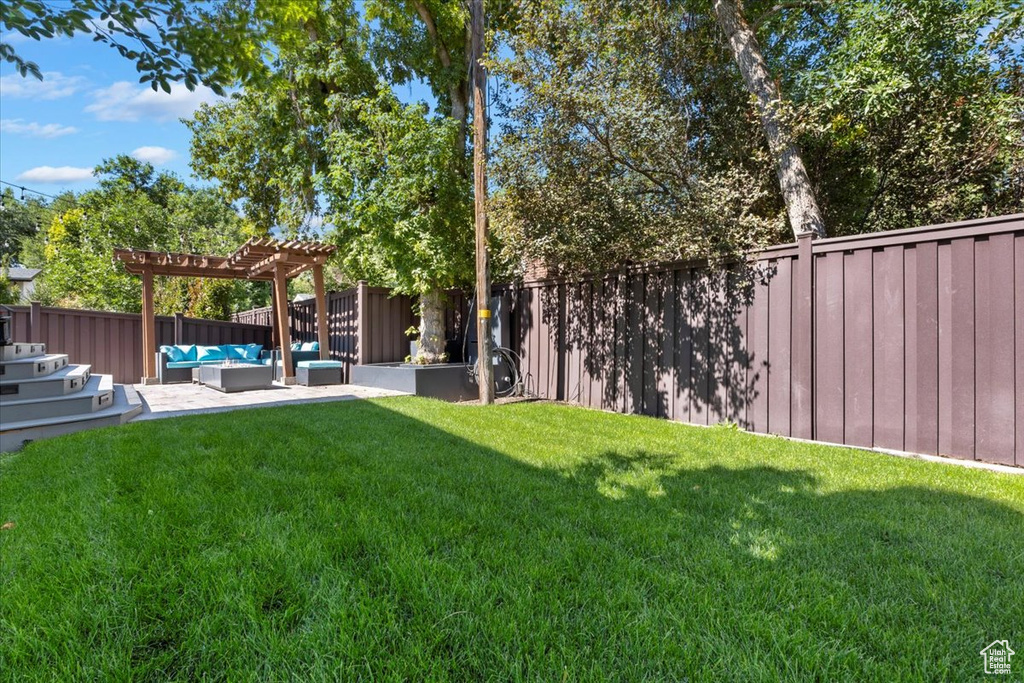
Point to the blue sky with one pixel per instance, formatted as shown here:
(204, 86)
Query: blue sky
(90, 106)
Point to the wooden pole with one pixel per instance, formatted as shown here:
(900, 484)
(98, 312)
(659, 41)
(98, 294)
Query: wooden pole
(275, 338)
(148, 329)
(322, 331)
(483, 275)
(284, 333)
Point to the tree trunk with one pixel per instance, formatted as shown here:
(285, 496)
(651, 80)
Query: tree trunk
(458, 92)
(801, 204)
(460, 114)
(430, 348)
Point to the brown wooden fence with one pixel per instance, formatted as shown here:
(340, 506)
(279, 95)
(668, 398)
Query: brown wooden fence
(366, 324)
(112, 342)
(909, 340)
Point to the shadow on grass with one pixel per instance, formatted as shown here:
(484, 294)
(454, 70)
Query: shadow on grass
(362, 541)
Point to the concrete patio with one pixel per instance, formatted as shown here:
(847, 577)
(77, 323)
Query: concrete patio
(174, 400)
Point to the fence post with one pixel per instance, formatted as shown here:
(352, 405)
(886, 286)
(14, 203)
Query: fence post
(362, 323)
(179, 328)
(35, 323)
(803, 339)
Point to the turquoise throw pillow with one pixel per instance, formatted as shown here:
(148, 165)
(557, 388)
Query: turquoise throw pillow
(235, 351)
(310, 346)
(252, 351)
(174, 354)
(296, 346)
(210, 353)
(188, 351)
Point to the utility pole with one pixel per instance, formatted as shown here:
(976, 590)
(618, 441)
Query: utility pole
(485, 376)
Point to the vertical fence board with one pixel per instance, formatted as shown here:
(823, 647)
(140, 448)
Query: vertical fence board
(994, 320)
(719, 323)
(1018, 296)
(956, 348)
(829, 333)
(683, 346)
(888, 345)
(922, 349)
(857, 340)
(779, 350)
(700, 368)
(757, 368)
(666, 344)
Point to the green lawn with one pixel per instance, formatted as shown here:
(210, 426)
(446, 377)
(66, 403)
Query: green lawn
(411, 539)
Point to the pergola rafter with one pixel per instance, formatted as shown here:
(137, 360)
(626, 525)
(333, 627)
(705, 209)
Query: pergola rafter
(262, 259)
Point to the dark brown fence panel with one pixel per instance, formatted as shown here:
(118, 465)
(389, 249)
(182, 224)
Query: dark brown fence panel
(909, 340)
(112, 342)
(366, 324)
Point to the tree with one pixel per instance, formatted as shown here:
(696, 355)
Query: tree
(632, 137)
(913, 112)
(168, 40)
(19, 221)
(135, 207)
(623, 142)
(325, 126)
(801, 203)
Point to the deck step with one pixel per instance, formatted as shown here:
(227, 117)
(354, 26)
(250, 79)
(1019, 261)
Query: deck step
(67, 380)
(28, 368)
(125, 405)
(21, 350)
(97, 394)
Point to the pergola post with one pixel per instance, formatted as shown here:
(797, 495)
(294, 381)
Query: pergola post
(275, 337)
(322, 331)
(284, 333)
(148, 329)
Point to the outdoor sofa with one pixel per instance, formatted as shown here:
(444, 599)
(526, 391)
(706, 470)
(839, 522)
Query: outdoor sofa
(174, 363)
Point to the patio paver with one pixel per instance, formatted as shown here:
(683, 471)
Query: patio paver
(174, 400)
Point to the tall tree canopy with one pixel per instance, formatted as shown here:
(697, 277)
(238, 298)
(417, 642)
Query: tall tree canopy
(631, 134)
(324, 132)
(136, 207)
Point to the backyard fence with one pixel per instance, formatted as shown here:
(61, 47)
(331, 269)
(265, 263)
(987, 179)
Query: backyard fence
(365, 324)
(112, 342)
(909, 340)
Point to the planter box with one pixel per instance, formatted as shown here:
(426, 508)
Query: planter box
(448, 382)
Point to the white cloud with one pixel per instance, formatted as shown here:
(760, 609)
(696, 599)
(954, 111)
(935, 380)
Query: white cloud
(15, 38)
(60, 174)
(54, 86)
(155, 155)
(35, 130)
(125, 101)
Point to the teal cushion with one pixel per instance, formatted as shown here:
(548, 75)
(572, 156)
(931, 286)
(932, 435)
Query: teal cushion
(315, 364)
(177, 365)
(252, 351)
(190, 351)
(173, 353)
(296, 346)
(234, 351)
(310, 346)
(210, 353)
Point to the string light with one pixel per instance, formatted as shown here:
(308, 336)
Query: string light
(26, 189)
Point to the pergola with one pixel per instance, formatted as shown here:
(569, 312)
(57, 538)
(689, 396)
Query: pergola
(263, 259)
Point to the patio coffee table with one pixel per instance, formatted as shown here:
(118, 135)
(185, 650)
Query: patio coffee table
(239, 377)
